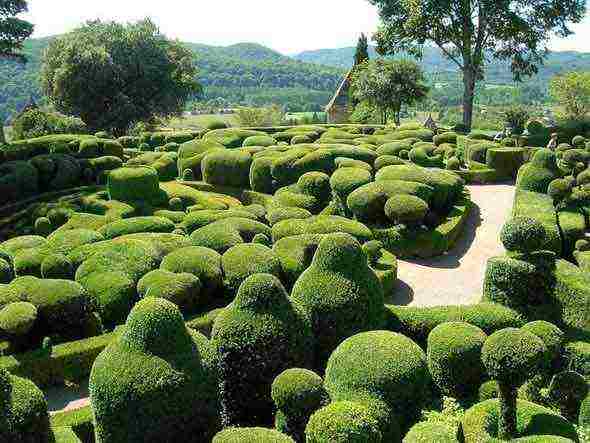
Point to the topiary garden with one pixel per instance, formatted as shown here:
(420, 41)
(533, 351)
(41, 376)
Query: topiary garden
(234, 285)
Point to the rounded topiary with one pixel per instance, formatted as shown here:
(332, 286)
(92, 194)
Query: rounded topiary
(510, 356)
(297, 393)
(43, 226)
(23, 411)
(242, 261)
(567, 390)
(380, 365)
(454, 358)
(57, 266)
(259, 140)
(181, 289)
(559, 190)
(406, 209)
(176, 204)
(301, 139)
(523, 235)
(551, 336)
(427, 432)
(6, 274)
(156, 380)
(133, 184)
(488, 390)
(453, 164)
(343, 422)
(18, 318)
(262, 239)
(115, 295)
(340, 293)
(261, 334)
(251, 435)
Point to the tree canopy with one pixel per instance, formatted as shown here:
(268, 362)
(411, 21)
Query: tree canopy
(470, 32)
(13, 30)
(113, 75)
(572, 92)
(388, 85)
(362, 51)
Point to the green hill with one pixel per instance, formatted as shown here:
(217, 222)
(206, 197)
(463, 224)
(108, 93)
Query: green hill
(244, 73)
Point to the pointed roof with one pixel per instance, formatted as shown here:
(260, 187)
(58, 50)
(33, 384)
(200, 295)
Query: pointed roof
(341, 91)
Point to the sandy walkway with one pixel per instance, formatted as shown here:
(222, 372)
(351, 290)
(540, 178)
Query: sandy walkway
(457, 277)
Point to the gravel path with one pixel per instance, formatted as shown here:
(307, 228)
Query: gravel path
(457, 277)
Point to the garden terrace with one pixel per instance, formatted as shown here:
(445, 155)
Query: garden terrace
(262, 264)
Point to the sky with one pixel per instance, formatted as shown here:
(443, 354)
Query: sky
(288, 26)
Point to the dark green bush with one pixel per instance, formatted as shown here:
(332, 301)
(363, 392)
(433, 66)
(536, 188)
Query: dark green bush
(181, 289)
(454, 358)
(36, 123)
(538, 173)
(343, 422)
(223, 234)
(380, 365)
(523, 234)
(18, 180)
(242, 261)
(115, 294)
(227, 168)
(156, 381)
(567, 390)
(133, 184)
(355, 307)
(406, 209)
(261, 334)
(6, 274)
(297, 394)
(165, 163)
(551, 336)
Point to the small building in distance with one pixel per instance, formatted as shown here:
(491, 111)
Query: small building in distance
(338, 110)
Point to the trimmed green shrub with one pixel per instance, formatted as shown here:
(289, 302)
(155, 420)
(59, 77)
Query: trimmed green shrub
(257, 435)
(506, 161)
(191, 154)
(278, 214)
(427, 432)
(259, 140)
(197, 219)
(445, 137)
(18, 318)
(261, 179)
(387, 160)
(9, 248)
(231, 137)
(510, 356)
(454, 358)
(223, 234)
(567, 390)
(380, 365)
(406, 209)
(559, 190)
(165, 163)
(538, 173)
(136, 225)
(115, 294)
(532, 420)
(18, 180)
(356, 305)
(57, 266)
(156, 381)
(343, 422)
(202, 262)
(523, 234)
(133, 184)
(23, 411)
(322, 224)
(577, 357)
(261, 334)
(421, 156)
(301, 139)
(227, 168)
(394, 148)
(346, 180)
(181, 289)
(551, 336)
(296, 254)
(242, 261)
(297, 394)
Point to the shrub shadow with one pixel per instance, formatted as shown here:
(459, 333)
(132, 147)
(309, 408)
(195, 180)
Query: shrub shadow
(402, 295)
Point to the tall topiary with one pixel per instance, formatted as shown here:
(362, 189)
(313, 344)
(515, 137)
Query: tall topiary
(454, 358)
(261, 334)
(297, 393)
(510, 357)
(340, 292)
(156, 381)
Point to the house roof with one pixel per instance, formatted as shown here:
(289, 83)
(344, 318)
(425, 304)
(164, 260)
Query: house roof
(341, 92)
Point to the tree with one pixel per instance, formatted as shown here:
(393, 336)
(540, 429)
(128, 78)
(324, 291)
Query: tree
(362, 51)
(572, 92)
(113, 75)
(469, 32)
(387, 85)
(13, 32)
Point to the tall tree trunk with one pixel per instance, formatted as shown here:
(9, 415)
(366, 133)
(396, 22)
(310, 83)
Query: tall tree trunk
(507, 419)
(468, 96)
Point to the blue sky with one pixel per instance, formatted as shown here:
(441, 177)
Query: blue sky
(288, 26)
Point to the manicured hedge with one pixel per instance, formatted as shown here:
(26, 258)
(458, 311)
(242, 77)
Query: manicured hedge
(242, 261)
(258, 435)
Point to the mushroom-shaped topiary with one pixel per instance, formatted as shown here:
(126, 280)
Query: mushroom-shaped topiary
(18, 318)
(343, 422)
(510, 357)
(156, 381)
(454, 358)
(261, 334)
(23, 411)
(297, 393)
(380, 365)
(551, 336)
(559, 190)
(406, 209)
(523, 235)
(340, 292)
(251, 435)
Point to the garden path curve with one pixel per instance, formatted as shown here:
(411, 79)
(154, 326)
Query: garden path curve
(455, 278)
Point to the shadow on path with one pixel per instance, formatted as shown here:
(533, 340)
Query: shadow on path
(66, 397)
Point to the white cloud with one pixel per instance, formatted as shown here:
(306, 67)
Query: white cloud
(288, 26)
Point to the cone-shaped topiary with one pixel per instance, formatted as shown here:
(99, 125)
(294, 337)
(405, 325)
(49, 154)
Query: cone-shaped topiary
(156, 381)
(510, 356)
(297, 393)
(340, 292)
(454, 358)
(261, 334)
